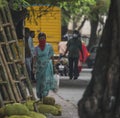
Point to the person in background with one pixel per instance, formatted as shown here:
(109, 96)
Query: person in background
(29, 51)
(32, 35)
(43, 67)
(86, 55)
(74, 45)
(62, 46)
(30, 42)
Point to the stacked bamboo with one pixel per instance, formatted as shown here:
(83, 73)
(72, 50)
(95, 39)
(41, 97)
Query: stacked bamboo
(15, 85)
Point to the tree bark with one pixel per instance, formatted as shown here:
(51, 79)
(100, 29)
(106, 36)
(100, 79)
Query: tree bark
(82, 24)
(93, 34)
(101, 98)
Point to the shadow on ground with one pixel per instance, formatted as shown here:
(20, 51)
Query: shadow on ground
(73, 83)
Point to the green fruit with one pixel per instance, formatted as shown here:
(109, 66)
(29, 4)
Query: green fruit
(36, 115)
(19, 116)
(16, 109)
(49, 100)
(43, 108)
(29, 105)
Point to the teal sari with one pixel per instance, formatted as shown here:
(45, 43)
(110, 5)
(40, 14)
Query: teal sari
(44, 70)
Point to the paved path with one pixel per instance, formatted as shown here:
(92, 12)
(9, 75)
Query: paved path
(69, 110)
(63, 96)
(69, 106)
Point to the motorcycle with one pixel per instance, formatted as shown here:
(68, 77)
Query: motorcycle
(62, 66)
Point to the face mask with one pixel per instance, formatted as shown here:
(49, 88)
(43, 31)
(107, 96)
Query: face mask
(42, 44)
(75, 36)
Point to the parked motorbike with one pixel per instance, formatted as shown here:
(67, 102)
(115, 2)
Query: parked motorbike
(62, 66)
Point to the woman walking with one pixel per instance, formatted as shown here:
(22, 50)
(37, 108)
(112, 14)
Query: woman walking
(43, 67)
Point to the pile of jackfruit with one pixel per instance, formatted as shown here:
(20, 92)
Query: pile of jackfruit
(31, 109)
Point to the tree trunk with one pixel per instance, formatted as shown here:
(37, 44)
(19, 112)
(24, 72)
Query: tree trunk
(101, 98)
(93, 34)
(82, 24)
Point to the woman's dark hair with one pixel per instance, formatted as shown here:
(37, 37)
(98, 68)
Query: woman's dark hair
(41, 34)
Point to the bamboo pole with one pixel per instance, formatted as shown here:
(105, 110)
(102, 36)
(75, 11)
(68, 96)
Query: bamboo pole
(5, 21)
(12, 29)
(14, 75)
(1, 100)
(4, 77)
(9, 76)
(27, 78)
(12, 67)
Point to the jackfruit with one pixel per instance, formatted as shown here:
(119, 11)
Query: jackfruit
(36, 115)
(44, 108)
(49, 100)
(19, 116)
(59, 108)
(16, 109)
(2, 112)
(29, 105)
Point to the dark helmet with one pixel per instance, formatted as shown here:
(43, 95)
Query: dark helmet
(76, 34)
